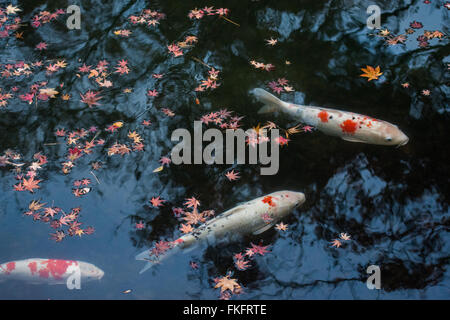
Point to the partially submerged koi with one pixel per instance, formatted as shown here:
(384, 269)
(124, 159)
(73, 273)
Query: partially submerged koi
(255, 216)
(48, 271)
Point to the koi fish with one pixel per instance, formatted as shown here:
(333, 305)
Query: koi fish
(348, 126)
(255, 216)
(49, 271)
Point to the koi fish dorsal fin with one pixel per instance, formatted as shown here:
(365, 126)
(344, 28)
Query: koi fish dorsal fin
(271, 103)
(233, 210)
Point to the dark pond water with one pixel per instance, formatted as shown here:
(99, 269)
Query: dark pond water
(393, 202)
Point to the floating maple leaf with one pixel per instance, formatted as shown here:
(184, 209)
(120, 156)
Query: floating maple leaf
(416, 25)
(140, 225)
(259, 249)
(90, 98)
(231, 175)
(271, 41)
(225, 283)
(165, 161)
(157, 202)
(58, 236)
(192, 202)
(336, 243)
(344, 236)
(30, 184)
(194, 217)
(35, 205)
(371, 73)
(186, 228)
(281, 226)
(242, 264)
(41, 46)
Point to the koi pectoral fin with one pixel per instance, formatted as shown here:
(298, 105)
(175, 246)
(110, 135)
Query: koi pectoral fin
(352, 139)
(265, 228)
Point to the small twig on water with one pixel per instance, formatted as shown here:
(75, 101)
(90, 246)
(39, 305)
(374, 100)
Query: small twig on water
(95, 177)
(96, 135)
(200, 61)
(226, 19)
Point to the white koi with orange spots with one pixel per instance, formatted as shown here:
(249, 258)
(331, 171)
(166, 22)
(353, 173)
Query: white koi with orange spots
(349, 126)
(255, 216)
(48, 271)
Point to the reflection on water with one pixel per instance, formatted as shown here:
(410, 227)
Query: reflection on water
(393, 202)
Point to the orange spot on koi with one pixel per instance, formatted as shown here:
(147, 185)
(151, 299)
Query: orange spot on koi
(323, 115)
(349, 126)
(269, 201)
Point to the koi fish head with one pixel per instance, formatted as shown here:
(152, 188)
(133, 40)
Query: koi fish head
(391, 135)
(90, 272)
(286, 201)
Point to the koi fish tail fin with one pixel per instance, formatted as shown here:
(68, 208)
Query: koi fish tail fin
(147, 266)
(271, 103)
(154, 258)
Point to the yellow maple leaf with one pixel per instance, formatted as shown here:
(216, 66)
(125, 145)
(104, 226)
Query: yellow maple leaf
(371, 73)
(61, 63)
(49, 92)
(94, 73)
(159, 169)
(35, 205)
(11, 9)
(293, 130)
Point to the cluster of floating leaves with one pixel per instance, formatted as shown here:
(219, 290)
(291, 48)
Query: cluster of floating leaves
(176, 48)
(422, 39)
(262, 66)
(81, 187)
(222, 119)
(148, 17)
(207, 11)
(78, 143)
(211, 82)
(27, 181)
(280, 85)
(9, 21)
(64, 224)
(100, 74)
(338, 242)
(44, 17)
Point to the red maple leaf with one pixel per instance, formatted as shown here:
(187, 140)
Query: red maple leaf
(140, 225)
(90, 98)
(152, 93)
(84, 68)
(259, 249)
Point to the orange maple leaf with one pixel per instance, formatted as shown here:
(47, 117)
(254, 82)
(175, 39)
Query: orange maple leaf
(225, 283)
(371, 73)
